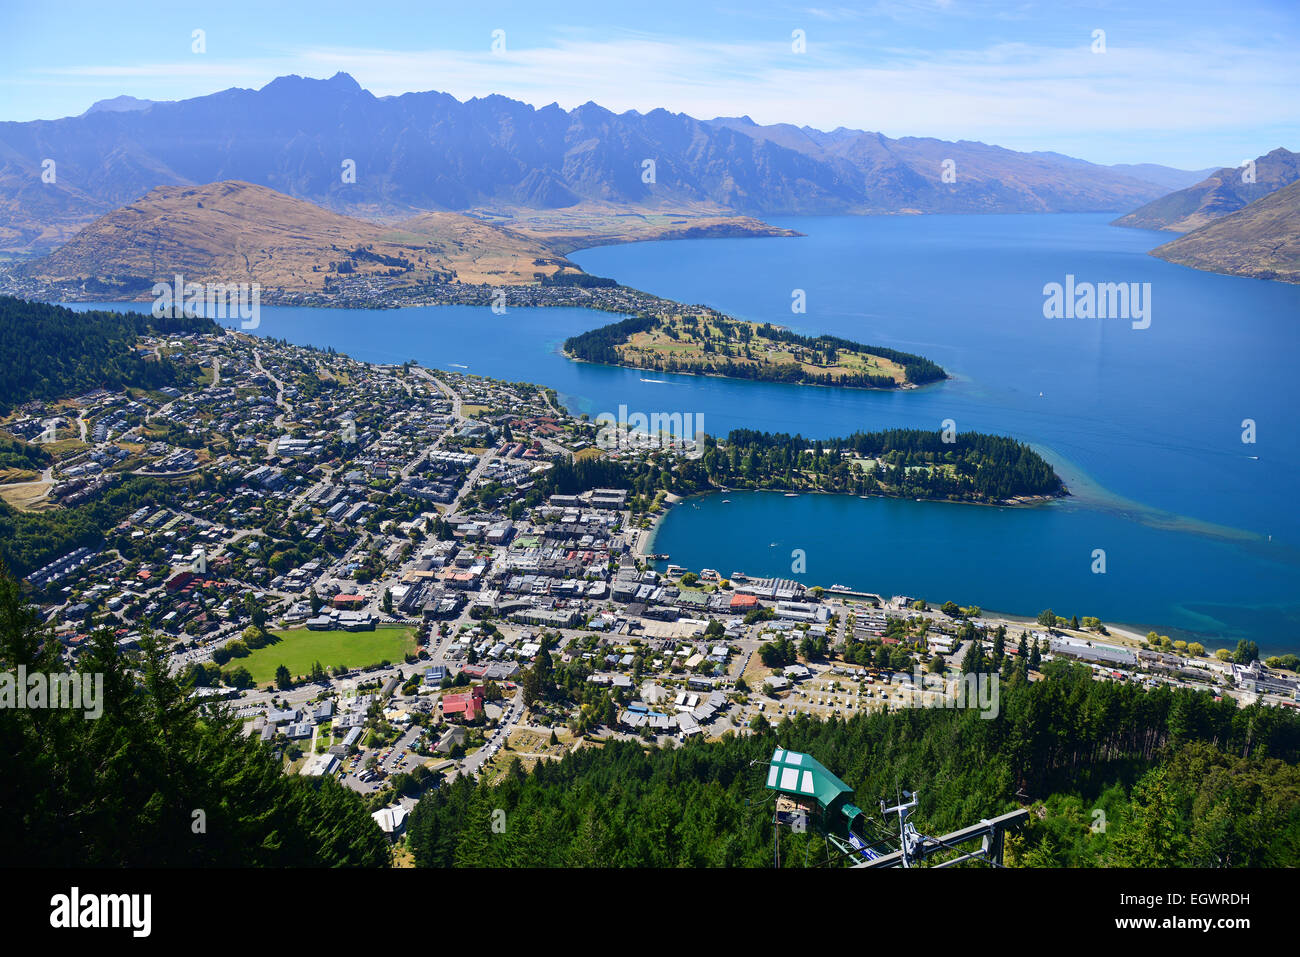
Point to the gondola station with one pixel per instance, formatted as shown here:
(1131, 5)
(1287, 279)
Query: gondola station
(809, 797)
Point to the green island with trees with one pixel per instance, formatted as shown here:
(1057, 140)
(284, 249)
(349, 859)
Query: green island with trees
(710, 343)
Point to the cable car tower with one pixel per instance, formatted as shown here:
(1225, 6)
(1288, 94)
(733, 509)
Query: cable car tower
(809, 796)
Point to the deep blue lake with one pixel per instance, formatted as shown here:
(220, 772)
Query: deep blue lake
(1200, 529)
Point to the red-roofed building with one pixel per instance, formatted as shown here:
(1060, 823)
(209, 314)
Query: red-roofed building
(743, 602)
(468, 706)
(178, 581)
(349, 601)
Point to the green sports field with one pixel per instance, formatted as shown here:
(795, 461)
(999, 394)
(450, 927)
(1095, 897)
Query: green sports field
(298, 648)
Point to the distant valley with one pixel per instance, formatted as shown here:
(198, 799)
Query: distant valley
(1220, 194)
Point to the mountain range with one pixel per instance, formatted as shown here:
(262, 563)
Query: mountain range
(429, 151)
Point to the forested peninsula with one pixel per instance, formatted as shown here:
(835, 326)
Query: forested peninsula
(899, 463)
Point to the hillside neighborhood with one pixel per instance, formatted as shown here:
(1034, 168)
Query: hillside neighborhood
(372, 566)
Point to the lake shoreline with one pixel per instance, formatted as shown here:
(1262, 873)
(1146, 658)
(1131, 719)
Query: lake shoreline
(1122, 633)
(645, 544)
(1021, 501)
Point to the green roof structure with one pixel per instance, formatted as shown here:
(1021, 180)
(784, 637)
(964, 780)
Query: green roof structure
(801, 775)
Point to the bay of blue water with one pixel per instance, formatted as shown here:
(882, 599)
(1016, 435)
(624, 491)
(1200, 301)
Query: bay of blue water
(1200, 530)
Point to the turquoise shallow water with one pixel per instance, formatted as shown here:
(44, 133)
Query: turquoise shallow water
(1201, 532)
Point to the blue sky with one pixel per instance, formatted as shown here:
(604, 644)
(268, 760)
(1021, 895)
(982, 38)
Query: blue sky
(1191, 83)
